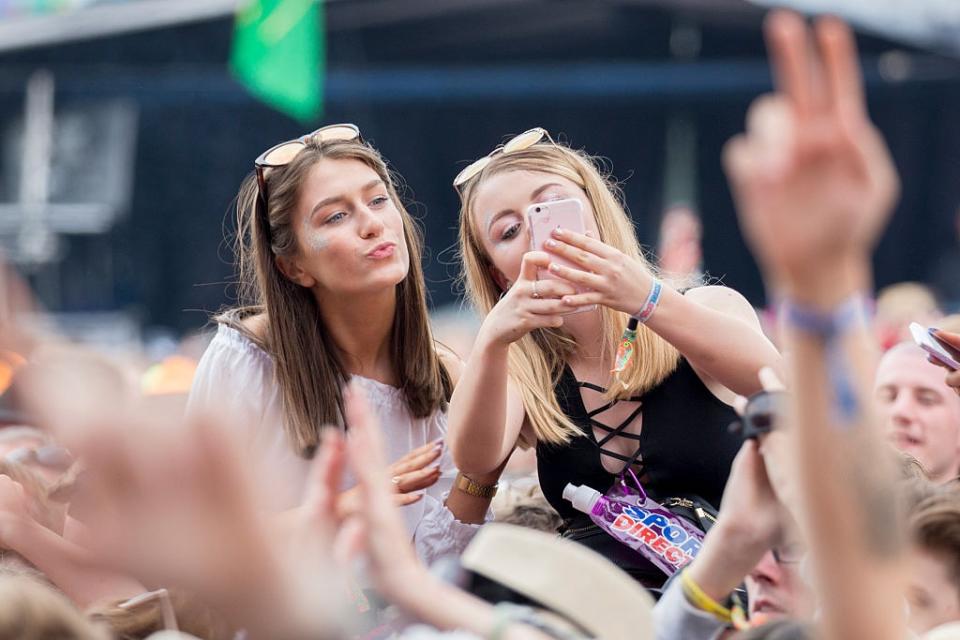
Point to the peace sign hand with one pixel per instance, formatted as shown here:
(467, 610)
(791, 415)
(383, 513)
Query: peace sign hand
(813, 180)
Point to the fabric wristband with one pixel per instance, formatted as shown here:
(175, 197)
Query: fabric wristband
(650, 304)
(829, 327)
(826, 325)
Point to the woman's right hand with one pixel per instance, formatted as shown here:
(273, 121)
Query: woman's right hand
(528, 304)
(415, 471)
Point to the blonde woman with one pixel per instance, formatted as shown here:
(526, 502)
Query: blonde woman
(329, 265)
(540, 375)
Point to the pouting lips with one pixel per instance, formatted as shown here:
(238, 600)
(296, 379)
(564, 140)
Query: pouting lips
(382, 250)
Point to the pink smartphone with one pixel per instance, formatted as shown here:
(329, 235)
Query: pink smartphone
(543, 218)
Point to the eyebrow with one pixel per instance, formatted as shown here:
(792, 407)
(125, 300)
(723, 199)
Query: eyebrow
(332, 199)
(533, 196)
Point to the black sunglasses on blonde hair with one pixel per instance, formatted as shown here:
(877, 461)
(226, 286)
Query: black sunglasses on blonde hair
(283, 154)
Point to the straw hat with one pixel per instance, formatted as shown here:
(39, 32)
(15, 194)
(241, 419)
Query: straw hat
(565, 577)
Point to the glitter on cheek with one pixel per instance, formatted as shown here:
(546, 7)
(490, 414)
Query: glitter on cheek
(313, 237)
(317, 240)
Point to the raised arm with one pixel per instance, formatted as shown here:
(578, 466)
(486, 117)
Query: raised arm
(814, 185)
(486, 412)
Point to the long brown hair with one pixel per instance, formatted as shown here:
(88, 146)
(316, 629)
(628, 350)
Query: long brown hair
(536, 361)
(308, 367)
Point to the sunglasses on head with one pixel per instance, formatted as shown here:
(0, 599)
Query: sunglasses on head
(520, 142)
(283, 154)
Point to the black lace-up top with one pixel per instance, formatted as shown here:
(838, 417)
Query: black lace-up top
(684, 447)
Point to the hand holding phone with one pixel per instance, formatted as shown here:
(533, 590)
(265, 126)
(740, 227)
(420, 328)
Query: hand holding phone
(932, 345)
(543, 218)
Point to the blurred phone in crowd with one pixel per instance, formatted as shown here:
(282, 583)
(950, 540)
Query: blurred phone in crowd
(940, 351)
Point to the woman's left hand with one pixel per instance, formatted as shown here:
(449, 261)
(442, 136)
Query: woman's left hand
(614, 279)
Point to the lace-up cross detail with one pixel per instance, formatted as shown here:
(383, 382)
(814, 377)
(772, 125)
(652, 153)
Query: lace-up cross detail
(613, 432)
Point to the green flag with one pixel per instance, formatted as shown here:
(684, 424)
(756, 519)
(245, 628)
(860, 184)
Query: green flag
(278, 53)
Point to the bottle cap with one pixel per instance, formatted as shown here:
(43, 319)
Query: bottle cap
(582, 497)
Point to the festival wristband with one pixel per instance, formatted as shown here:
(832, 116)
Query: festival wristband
(650, 304)
(701, 600)
(829, 327)
(830, 324)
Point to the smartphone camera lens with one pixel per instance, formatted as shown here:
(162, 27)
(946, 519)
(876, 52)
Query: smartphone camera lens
(537, 209)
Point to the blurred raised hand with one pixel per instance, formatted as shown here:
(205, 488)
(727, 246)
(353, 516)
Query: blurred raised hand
(812, 178)
(171, 502)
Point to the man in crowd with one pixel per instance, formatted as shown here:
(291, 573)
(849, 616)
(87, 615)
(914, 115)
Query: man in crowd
(921, 414)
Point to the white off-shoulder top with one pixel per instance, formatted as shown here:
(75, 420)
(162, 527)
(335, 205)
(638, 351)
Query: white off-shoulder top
(237, 376)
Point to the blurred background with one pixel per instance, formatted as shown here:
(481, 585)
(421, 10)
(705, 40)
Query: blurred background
(137, 134)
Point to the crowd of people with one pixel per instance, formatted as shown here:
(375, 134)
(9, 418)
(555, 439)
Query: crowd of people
(339, 472)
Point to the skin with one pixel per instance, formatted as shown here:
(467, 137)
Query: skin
(343, 215)
(352, 255)
(754, 517)
(777, 591)
(932, 593)
(378, 529)
(814, 186)
(921, 414)
(486, 414)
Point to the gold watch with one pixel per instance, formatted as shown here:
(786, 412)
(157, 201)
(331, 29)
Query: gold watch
(473, 488)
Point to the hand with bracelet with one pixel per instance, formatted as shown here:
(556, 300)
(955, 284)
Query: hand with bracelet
(614, 279)
(814, 186)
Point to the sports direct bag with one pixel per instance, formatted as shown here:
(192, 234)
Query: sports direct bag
(628, 514)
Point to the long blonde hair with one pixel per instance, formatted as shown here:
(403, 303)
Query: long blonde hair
(536, 361)
(307, 364)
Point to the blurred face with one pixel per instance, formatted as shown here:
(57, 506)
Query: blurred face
(349, 233)
(921, 413)
(500, 215)
(777, 591)
(932, 595)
